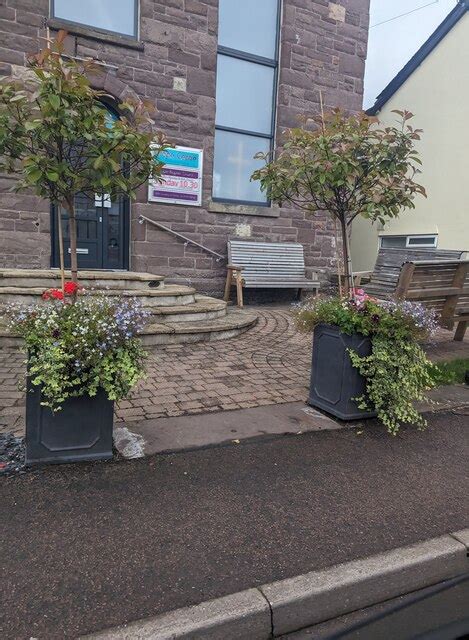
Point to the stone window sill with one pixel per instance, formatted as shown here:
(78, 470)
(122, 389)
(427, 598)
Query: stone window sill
(94, 34)
(243, 210)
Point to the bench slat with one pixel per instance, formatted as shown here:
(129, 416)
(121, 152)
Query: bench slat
(270, 265)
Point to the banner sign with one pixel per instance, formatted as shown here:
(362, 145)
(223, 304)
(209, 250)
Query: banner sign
(182, 177)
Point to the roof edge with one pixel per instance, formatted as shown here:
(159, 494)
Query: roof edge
(428, 46)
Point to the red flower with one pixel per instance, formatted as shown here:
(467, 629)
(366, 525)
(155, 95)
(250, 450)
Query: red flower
(71, 288)
(53, 293)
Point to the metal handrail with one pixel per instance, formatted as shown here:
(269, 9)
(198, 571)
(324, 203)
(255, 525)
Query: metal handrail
(218, 256)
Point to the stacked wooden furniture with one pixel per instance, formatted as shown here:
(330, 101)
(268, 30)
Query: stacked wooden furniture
(271, 265)
(440, 282)
(384, 277)
(440, 285)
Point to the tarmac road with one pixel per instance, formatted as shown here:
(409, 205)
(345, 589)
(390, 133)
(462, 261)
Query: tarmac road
(91, 546)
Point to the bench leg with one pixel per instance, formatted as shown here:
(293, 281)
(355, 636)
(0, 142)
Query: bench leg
(460, 331)
(239, 289)
(298, 295)
(229, 278)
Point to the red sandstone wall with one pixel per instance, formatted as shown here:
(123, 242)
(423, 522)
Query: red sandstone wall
(323, 48)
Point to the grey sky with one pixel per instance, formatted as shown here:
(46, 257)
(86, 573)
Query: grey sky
(391, 45)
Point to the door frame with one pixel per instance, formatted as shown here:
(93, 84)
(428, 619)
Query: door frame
(54, 254)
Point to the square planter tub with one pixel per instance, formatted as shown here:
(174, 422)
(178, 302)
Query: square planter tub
(334, 380)
(81, 430)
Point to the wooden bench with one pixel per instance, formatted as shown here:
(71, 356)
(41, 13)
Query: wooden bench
(385, 275)
(440, 285)
(258, 265)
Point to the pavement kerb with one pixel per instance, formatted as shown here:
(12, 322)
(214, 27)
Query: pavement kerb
(296, 603)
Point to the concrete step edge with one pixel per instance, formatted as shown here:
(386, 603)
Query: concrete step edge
(169, 290)
(199, 306)
(300, 602)
(232, 320)
(54, 274)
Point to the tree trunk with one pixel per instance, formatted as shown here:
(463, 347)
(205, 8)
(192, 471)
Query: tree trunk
(60, 238)
(72, 223)
(347, 259)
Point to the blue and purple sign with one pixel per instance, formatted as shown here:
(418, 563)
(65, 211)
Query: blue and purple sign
(182, 177)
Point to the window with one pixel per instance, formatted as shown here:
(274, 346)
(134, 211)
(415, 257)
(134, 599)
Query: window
(404, 242)
(117, 16)
(246, 89)
(422, 241)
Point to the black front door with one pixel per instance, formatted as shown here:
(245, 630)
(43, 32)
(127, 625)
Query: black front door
(102, 234)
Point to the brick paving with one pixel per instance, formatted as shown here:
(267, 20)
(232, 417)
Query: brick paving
(270, 364)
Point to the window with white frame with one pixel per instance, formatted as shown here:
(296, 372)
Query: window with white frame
(113, 16)
(246, 92)
(404, 242)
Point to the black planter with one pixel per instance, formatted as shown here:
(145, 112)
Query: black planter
(81, 430)
(334, 381)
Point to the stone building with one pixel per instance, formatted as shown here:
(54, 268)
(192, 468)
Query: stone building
(226, 77)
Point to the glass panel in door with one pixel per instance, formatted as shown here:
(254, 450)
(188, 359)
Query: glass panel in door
(114, 236)
(89, 233)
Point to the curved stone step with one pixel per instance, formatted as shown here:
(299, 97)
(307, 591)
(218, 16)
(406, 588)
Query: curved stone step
(50, 278)
(204, 308)
(167, 295)
(232, 324)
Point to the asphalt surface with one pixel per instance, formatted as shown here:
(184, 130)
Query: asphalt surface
(91, 546)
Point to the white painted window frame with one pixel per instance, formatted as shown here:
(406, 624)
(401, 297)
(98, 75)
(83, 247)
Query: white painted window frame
(408, 245)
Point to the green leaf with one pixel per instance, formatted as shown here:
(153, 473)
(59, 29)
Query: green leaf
(34, 176)
(54, 101)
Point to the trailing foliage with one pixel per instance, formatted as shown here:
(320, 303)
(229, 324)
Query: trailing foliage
(74, 349)
(397, 373)
(348, 166)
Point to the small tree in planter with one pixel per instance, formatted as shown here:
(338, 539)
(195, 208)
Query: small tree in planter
(83, 354)
(349, 166)
(58, 140)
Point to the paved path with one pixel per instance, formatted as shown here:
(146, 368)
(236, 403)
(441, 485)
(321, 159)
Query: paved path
(86, 547)
(270, 364)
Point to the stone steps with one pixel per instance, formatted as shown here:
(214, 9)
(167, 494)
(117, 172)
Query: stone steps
(178, 314)
(50, 278)
(234, 323)
(167, 295)
(204, 308)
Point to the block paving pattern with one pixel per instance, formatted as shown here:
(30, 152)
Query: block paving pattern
(270, 364)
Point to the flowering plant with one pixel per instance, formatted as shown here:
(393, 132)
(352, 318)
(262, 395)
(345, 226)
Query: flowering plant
(74, 349)
(368, 316)
(69, 289)
(397, 373)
